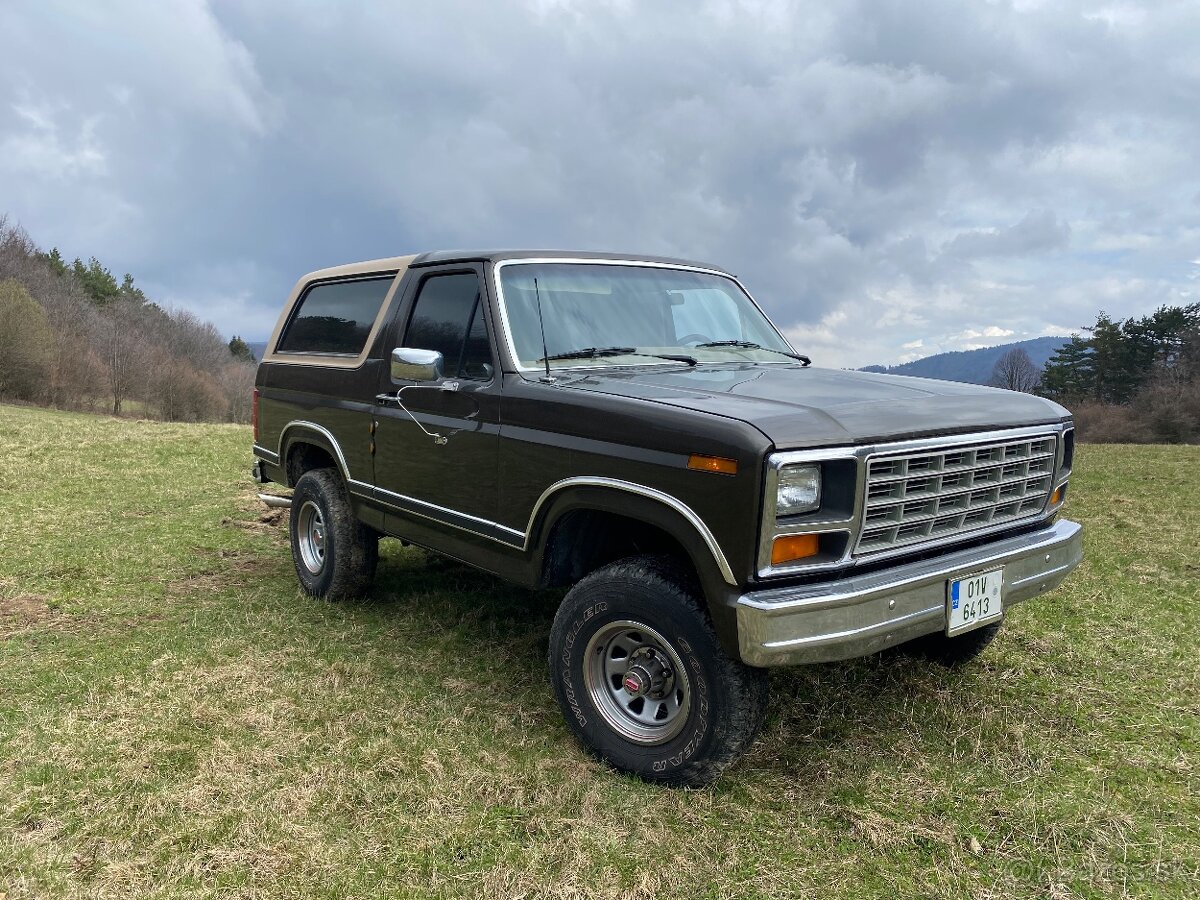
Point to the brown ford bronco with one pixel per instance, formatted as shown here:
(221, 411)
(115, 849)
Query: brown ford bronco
(635, 428)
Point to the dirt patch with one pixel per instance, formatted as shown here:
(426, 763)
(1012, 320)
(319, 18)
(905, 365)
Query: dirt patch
(261, 514)
(22, 612)
(230, 567)
(265, 520)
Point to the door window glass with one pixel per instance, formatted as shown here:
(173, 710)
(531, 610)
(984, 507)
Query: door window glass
(448, 317)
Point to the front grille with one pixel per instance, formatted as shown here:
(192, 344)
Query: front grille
(935, 495)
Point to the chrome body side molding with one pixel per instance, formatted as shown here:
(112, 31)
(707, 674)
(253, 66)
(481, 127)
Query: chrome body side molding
(442, 515)
(496, 531)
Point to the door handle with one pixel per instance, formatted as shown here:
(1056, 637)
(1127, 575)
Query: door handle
(384, 399)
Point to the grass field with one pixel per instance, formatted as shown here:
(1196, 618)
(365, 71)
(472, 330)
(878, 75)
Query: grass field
(176, 720)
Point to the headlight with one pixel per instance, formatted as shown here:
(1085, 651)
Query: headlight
(799, 490)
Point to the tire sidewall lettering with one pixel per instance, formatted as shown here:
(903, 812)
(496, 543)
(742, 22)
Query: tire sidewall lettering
(699, 730)
(567, 667)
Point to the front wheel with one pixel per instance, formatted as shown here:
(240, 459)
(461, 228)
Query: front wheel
(335, 554)
(643, 681)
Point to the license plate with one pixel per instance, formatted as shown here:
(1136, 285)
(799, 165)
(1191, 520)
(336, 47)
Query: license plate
(974, 601)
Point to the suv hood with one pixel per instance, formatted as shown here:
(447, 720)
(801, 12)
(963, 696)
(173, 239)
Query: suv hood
(798, 407)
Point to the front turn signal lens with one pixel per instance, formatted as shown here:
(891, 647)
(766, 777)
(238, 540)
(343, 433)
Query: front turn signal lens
(1057, 496)
(712, 464)
(791, 547)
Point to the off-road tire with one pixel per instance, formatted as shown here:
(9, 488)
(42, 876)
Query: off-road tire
(654, 598)
(952, 651)
(349, 550)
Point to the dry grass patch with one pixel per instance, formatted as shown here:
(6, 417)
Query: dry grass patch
(20, 612)
(226, 569)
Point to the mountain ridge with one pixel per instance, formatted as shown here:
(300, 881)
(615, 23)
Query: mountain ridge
(972, 366)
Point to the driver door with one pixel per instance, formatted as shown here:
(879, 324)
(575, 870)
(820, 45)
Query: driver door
(436, 443)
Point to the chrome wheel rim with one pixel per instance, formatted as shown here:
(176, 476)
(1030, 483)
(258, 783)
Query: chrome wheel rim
(637, 682)
(311, 536)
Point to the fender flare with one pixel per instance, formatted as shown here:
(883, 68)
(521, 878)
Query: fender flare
(653, 506)
(302, 432)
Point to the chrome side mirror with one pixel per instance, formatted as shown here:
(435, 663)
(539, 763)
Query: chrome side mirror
(409, 364)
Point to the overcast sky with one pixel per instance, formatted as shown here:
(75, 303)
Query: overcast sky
(890, 180)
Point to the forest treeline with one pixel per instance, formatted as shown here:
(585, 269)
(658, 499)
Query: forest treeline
(1131, 381)
(74, 337)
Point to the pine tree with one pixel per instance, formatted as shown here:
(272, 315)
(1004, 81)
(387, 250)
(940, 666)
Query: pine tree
(1115, 360)
(96, 281)
(1069, 375)
(130, 291)
(240, 349)
(1119, 359)
(54, 260)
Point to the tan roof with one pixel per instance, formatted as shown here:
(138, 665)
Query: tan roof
(365, 267)
(397, 264)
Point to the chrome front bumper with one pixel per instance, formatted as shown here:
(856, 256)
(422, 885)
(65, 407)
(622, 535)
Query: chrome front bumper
(865, 613)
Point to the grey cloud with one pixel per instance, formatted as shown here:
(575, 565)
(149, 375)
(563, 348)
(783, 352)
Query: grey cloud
(878, 173)
(1038, 232)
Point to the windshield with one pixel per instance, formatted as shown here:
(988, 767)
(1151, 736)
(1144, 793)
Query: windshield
(631, 313)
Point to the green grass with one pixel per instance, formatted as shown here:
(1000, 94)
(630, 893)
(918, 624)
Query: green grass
(176, 720)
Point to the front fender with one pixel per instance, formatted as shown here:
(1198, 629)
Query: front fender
(656, 508)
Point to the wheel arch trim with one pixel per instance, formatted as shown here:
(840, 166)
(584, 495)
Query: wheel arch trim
(686, 512)
(324, 433)
(593, 481)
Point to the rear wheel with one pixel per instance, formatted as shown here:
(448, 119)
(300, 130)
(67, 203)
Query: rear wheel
(643, 681)
(335, 555)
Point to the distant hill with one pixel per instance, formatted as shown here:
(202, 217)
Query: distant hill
(258, 348)
(971, 366)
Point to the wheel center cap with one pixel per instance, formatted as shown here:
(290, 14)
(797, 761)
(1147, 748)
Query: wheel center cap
(647, 675)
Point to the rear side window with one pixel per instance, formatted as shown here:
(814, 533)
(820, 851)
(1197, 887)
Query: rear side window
(335, 318)
(449, 318)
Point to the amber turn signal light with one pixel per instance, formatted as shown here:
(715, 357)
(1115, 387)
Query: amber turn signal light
(1056, 496)
(712, 464)
(791, 547)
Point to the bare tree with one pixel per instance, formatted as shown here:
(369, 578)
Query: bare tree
(1015, 371)
(186, 376)
(237, 382)
(122, 347)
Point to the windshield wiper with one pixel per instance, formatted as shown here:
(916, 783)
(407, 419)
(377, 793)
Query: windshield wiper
(750, 345)
(597, 352)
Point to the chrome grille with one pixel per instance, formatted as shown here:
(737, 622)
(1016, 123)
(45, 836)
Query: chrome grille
(932, 495)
